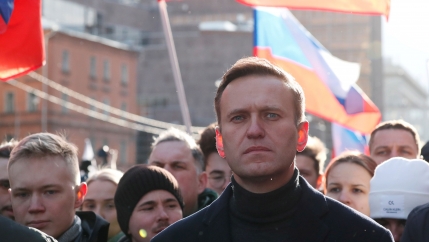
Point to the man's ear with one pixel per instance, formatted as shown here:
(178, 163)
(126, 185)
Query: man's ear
(202, 182)
(302, 136)
(219, 143)
(81, 191)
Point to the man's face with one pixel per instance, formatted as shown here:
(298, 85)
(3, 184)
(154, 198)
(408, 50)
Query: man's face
(218, 171)
(5, 204)
(176, 157)
(44, 194)
(306, 169)
(153, 213)
(390, 143)
(100, 200)
(258, 129)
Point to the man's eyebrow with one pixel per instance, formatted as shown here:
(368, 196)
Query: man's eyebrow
(236, 111)
(264, 108)
(50, 186)
(146, 203)
(20, 189)
(217, 172)
(271, 108)
(382, 147)
(169, 200)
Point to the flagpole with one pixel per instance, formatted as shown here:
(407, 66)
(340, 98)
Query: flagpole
(175, 65)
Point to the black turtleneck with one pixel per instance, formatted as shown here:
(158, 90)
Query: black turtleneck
(263, 217)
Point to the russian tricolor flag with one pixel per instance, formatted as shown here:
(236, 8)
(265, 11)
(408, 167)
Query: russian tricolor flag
(21, 38)
(328, 82)
(372, 7)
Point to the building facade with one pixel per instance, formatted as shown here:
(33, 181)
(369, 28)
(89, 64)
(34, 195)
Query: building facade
(204, 54)
(410, 102)
(98, 68)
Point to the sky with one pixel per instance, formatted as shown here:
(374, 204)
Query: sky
(406, 37)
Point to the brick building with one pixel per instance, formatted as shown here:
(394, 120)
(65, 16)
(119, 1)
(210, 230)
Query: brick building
(101, 69)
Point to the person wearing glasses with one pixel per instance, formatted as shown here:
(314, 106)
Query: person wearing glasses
(5, 203)
(218, 171)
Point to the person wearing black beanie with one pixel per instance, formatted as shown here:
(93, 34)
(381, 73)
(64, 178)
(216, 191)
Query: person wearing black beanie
(147, 200)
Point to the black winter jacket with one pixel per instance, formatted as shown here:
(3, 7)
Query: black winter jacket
(12, 231)
(317, 218)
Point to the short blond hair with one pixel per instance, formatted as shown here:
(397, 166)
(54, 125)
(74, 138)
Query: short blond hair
(106, 174)
(47, 144)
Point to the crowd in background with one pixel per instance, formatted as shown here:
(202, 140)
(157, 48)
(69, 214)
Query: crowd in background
(41, 187)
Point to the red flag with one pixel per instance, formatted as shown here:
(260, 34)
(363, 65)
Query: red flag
(373, 7)
(21, 45)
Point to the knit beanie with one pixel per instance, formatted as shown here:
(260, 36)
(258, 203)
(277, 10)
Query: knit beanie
(398, 186)
(137, 182)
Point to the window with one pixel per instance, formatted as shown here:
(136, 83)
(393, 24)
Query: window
(65, 99)
(106, 70)
(93, 67)
(9, 104)
(32, 102)
(107, 102)
(124, 106)
(92, 107)
(65, 66)
(123, 152)
(124, 74)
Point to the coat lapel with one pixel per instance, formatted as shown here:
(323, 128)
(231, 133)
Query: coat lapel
(311, 207)
(216, 224)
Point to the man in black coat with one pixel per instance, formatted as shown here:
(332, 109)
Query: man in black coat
(260, 112)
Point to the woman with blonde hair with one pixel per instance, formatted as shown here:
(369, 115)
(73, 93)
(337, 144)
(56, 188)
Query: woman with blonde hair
(347, 180)
(102, 186)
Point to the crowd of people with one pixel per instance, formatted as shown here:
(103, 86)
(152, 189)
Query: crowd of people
(255, 175)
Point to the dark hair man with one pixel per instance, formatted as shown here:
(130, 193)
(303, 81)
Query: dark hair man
(46, 189)
(311, 160)
(217, 169)
(260, 111)
(394, 138)
(5, 203)
(147, 201)
(177, 152)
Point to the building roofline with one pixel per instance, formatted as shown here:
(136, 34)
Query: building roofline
(55, 27)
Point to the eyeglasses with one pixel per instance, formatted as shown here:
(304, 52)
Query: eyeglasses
(218, 181)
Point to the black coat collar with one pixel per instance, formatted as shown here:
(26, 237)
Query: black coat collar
(311, 207)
